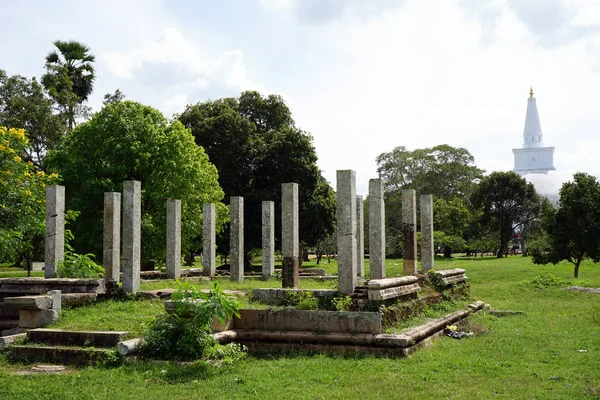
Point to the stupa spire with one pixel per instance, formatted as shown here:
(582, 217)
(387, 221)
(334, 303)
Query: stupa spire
(533, 157)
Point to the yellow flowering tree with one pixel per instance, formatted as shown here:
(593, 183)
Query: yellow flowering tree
(22, 199)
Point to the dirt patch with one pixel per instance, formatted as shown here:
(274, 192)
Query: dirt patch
(583, 289)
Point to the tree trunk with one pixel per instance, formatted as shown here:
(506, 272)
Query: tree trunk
(447, 252)
(576, 273)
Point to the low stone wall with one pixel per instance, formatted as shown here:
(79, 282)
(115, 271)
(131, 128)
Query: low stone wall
(281, 296)
(390, 288)
(10, 287)
(311, 321)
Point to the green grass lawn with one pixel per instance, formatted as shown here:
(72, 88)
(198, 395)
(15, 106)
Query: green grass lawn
(532, 356)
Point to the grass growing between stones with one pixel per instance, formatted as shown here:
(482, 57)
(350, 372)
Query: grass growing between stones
(111, 315)
(536, 355)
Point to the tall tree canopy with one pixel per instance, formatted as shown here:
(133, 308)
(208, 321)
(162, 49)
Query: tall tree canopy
(507, 202)
(22, 200)
(25, 105)
(443, 171)
(574, 229)
(448, 173)
(255, 145)
(69, 77)
(124, 141)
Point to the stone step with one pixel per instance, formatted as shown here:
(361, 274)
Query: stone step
(8, 323)
(76, 338)
(58, 355)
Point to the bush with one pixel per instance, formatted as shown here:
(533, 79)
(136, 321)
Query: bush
(79, 266)
(546, 280)
(186, 334)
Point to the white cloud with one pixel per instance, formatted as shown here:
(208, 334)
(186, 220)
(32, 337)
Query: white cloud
(178, 69)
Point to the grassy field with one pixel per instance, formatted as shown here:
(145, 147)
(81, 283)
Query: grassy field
(551, 352)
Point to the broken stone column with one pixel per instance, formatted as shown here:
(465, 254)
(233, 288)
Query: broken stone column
(173, 262)
(360, 238)
(111, 253)
(290, 236)
(209, 246)
(236, 239)
(376, 229)
(268, 239)
(427, 253)
(409, 231)
(55, 229)
(132, 225)
(346, 230)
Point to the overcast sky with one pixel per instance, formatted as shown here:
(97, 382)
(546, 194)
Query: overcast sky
(361, 76)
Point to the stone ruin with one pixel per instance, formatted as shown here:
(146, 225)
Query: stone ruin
(267, 329)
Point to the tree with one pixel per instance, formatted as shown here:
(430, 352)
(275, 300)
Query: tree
(507, 202)
(574, 229)
(25, 105)
(443, 171)
(69, 78)
(22, 200)
(124, 141)
(450, 219)
(255, 145)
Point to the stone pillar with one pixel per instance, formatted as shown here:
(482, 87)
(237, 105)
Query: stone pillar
(209, 243)
(55, 229)
(268, 239)
(290, 236)
(132, 225)
(111, 252)
(409, 231)
(173, 238)
(360, 238)
(427, 254)
(376, 229)
(236, 239)
(346, 230)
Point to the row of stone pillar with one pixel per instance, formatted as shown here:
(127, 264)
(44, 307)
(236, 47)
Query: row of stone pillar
(350, 233)
(131, 228)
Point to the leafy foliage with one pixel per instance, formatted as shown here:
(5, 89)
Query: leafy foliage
(22, 199)
(69, 78)
(443, 171)
(25, 105)
(255, 145)
(507, 202)
(129, 141)
(546, 280)
(573, 229)
(186, 334)
(446, 172)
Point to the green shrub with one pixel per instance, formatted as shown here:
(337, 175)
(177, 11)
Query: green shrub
(186, 334)
(546, 280)
(342, 303)
(303, 300)
(79, 266)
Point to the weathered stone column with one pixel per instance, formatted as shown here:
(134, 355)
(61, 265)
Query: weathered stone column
(346, 230)
(209, 243)
(290, 236)
(236, 239)
(360, 238)
(427, 254)
(55, 229)
(376, 229)
(409, 231)
(268, 239)
(173, 238)
(111, 252)
(132, 244)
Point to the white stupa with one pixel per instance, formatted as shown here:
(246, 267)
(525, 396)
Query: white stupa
(533, 157)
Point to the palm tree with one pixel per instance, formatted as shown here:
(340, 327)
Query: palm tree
(70, 77)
